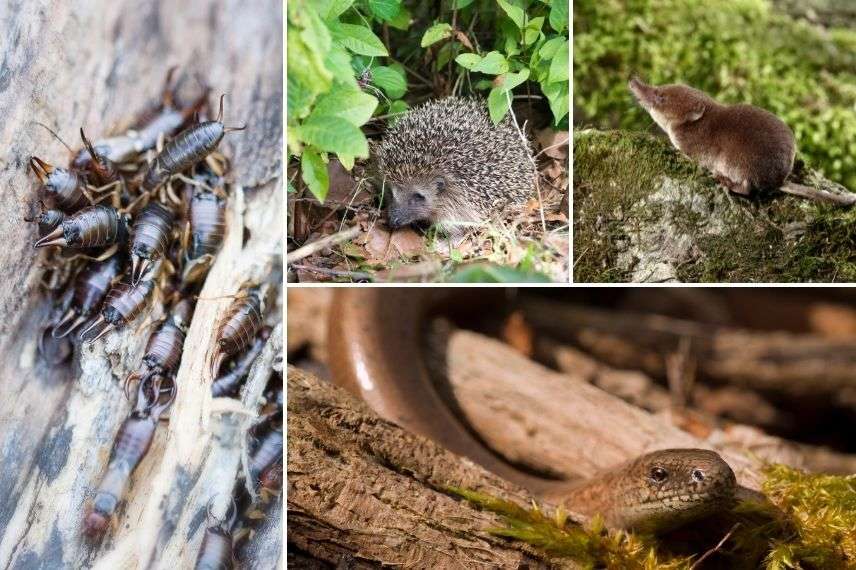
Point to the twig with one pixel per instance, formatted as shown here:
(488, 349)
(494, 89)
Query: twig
(715, 548)
(355, 275)
(320, 244)
(531, 159)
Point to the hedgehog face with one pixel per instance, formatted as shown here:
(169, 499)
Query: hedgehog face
(414, 202)
(670, 105)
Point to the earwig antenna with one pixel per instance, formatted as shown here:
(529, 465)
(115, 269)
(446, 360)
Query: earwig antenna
(56, 136)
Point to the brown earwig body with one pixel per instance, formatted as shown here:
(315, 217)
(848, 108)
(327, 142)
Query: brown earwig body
(165, 121)
(238, 327)
(268, 454)
(47, 219)
(152, 234)
(60, 186)
(163, 350)
(228, 384)
(207, 223)
(123, 304)
(90, 288)
(94, 226)
(216, 550)
(130, 445)
(189, 147)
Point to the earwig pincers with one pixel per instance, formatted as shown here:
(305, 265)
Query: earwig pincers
(123, 304)
(130, 445)
(94, 226)
(60, 185)
(238, 326)
(152, 233)
(227, 384)
(189, 147)
(163, 350)
(90, 288)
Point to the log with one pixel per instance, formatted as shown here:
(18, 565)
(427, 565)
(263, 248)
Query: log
(96, 64)
(363, 491)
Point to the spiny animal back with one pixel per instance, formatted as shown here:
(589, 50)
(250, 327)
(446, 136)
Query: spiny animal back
(456, 136)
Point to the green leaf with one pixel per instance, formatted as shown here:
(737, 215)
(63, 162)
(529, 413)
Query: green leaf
(332, 9)
(315, 33)
(514, 9)
(509, 81)
(307, 66)
(444, 54)
(347, 160)
(392, 81)
(509, 37)
(559, 15)
(490, 273)
(385, 10)
(358, 39)
(533, 30)
(436, 33)
(497, 104)
(315, 174)
(354, 106)
(557, 95)
(333, 134)
(396, 109)
(402, 20)
(338, 62)
(468, 60)
(560, 64)
(551, 46)
(299, 99)
(492, 63)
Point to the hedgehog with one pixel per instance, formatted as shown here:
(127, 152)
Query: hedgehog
(446, 163)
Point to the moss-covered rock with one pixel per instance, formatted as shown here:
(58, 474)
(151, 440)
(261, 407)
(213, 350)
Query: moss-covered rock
(643, 212)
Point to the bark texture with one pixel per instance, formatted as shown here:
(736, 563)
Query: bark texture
(98, 64)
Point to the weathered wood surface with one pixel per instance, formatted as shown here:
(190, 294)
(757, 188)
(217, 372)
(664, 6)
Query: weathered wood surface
(363, 491)
(97, 64)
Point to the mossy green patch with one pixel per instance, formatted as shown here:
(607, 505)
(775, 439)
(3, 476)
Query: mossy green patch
(644, 212)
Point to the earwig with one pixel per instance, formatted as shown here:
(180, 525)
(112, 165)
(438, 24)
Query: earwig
(47, 219)
(227, 384)
(94, 226)
(215, 552)
(207, 223)
(163, 350)
(102, 169)
(189, 147)
(123, 304)
(238, 326)
(130, 445)
(152, 234)
(268, 453)
(89, 290)
(145, 135)
(63, 187)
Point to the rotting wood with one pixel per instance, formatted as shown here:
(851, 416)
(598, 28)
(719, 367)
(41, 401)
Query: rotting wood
(57, 425)
(362, 489)
(796, 364)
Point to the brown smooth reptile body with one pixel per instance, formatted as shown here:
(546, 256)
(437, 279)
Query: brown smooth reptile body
(375, 351)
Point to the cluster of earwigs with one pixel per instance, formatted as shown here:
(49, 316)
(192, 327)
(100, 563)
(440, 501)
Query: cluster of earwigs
(136, 220)
(265, 468)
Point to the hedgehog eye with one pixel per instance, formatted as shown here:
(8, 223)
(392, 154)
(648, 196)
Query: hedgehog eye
(697, 475)
(658, 474)
(417, 198)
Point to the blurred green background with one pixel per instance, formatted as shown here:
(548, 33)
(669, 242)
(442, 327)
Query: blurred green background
(796, 59)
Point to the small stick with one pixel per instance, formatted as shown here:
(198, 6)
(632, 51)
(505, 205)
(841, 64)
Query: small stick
(320, 244)
(715, 548)
(355, 275)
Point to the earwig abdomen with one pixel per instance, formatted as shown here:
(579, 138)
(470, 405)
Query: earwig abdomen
(185, 150)
(207, 223)
(267, 454)
(89, 290)
(131, 444)
(123, 304)
(238, 327)
(152, 234)
(227, 384)
(94, 226)
(47, 220)
(163, 351)
(60, 186)
(215, 553)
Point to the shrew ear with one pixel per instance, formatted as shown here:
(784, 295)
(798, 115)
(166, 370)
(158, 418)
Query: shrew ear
(695, 113)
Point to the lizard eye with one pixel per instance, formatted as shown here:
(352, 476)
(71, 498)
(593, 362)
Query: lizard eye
(658, 474)
(697, 475)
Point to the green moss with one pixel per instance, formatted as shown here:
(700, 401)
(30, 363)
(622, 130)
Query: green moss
(809, 523)
(624, 187)
(739, 51)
